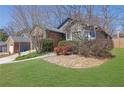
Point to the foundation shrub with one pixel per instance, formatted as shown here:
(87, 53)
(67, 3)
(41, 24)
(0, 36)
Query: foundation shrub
(87, 48)
(47, 45)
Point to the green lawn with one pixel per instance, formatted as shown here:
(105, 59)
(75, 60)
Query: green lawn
(41, 73)
(30, 55)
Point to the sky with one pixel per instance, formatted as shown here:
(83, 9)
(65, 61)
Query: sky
(5, 13)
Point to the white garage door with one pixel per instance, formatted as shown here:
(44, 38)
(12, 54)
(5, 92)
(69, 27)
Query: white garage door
(11, 49)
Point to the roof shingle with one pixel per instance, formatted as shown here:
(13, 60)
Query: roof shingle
(20, 39)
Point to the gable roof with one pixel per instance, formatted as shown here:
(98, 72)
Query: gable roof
(70, 22)
(19, 39)
(54, 29)
(64, 23)
(48, 28)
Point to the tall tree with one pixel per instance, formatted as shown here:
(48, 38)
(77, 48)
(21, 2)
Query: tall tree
(108, 19)
(89, 13)
(25, 17)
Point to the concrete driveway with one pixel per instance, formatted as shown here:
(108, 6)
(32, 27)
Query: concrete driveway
(8, 59)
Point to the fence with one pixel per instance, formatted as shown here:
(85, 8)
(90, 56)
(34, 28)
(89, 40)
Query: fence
(118, 42)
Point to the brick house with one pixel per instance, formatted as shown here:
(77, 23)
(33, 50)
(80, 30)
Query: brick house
(53, 33)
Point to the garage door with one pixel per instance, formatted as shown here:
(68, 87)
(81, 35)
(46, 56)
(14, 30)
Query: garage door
(24, 47)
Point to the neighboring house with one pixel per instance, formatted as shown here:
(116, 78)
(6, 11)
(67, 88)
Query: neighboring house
(16, 44)
(118, 39)
(119, 34)
(3, 46)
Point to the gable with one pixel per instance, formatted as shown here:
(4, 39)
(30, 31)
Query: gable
(10, 40)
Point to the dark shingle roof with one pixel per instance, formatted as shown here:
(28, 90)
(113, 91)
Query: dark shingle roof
(53, 29)
(20, 39)
(64, 23)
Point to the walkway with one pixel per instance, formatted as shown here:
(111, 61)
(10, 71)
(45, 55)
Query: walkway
(11, 59)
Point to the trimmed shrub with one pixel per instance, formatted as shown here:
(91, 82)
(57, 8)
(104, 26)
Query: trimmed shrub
(47, 45)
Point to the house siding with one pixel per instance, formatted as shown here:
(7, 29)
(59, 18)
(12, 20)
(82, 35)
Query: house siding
(100, 35)
(16, 47)
(55, 36)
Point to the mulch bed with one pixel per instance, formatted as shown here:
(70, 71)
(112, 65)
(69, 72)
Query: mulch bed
(75, 61)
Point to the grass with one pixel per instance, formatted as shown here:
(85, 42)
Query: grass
(31, 55)
(41, 73)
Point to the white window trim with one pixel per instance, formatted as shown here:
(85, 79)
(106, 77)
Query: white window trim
(44, 34)
(70, 36)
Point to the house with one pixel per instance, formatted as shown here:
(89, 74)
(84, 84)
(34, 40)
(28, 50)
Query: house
(76, 30)
(3, 46)
(118, 39)
(71, 30)
(49, 32)
(119, 34)
(16, 44)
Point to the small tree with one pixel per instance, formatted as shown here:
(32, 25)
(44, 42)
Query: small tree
(37, 38)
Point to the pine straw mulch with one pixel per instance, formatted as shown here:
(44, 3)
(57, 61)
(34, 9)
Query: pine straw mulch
(75, 61)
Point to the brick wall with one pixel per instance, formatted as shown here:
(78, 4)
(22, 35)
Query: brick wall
(55, 36)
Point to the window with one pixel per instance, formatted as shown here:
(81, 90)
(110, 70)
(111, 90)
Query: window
(92, 34)
(67, 35)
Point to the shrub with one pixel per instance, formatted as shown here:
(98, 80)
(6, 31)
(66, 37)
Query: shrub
(47, 45)
(65, 42)
(72, 44)
(87, 48)
(97, 48)
(65, 50)
(58, 50)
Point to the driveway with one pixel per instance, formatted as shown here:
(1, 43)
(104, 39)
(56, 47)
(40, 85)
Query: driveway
(8, 59)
